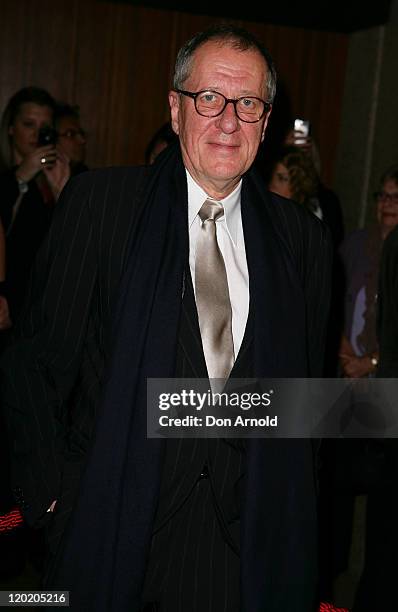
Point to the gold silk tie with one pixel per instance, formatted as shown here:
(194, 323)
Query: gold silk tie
(212, 297)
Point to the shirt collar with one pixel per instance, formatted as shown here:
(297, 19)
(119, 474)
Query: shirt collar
(232, 214)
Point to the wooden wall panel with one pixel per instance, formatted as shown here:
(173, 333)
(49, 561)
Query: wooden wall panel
(116, 61)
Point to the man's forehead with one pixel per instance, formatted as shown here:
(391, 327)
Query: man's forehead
(67, 120)
(214, 49)
(223, 60)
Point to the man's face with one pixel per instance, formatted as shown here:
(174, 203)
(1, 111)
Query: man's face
(71, 139)
(387, 206)
(218, 150)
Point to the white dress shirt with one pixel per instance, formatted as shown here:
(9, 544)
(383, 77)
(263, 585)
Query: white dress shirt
(232, 246)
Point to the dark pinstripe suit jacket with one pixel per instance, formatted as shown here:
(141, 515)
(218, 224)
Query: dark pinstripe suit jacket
(52, 374)
(52, 371)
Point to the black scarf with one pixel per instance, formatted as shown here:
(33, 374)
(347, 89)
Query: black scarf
(121, 480)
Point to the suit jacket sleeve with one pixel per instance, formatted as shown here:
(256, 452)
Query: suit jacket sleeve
(40, 366)
(387, 315)
(318, 285)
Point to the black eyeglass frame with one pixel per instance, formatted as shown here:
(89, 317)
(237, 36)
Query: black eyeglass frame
(233, 101)
(72, 133)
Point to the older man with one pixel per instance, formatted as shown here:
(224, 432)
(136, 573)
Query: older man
(186, 269)
(72, 138)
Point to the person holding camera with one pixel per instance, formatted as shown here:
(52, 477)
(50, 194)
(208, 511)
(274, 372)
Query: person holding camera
(33, 173)
(328, 205)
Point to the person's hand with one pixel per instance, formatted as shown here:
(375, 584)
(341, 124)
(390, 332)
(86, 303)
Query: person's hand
(356, 367)
(346, 347)
(297, 138)
(58, 173)
(33, 163)
(5, 321)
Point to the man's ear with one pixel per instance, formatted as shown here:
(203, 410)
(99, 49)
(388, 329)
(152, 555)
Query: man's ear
(174, 102)
(267, 116)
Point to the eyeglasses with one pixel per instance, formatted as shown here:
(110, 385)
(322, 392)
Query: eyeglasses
(383, 196)
(212, 103)
(73, 134)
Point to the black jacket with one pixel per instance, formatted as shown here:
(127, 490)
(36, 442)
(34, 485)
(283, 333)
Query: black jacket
(53, 373)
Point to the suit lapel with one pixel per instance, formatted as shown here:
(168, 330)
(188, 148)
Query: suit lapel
(246, 341)
(189, 336)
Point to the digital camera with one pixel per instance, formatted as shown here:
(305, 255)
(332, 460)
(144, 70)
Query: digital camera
(47, 136)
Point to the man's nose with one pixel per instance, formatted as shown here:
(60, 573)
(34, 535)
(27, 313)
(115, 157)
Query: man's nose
(228, 120)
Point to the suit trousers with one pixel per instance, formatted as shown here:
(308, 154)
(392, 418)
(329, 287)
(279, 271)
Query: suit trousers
(191, 566)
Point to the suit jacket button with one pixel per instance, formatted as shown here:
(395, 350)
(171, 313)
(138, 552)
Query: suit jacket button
(204, 473)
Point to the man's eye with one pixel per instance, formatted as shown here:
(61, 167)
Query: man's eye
(209, 97)
(246, 102)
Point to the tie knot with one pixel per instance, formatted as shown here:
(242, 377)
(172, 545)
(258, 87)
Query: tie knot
(211, 210)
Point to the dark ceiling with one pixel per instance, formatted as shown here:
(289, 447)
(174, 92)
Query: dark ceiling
(331, 16)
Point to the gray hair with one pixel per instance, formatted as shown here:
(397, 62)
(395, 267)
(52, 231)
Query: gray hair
(237, 38)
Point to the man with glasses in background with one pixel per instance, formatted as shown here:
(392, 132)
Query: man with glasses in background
(377, 588)
(187, 268)
(72, 139)
(359, 469)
